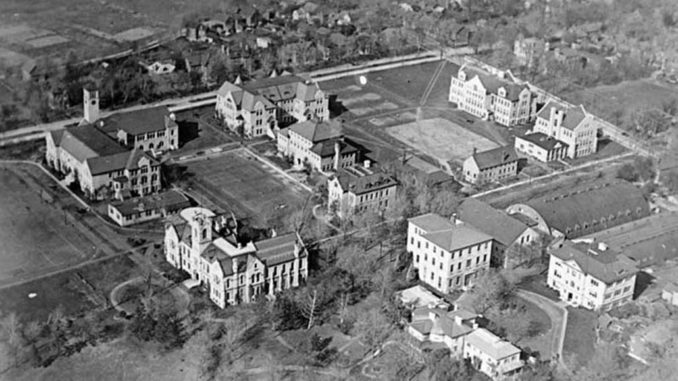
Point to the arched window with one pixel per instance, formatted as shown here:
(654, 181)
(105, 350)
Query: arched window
(204, 233)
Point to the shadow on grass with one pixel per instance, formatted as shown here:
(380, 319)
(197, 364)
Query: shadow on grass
(643, 281)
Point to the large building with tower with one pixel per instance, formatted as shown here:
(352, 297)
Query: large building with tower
(260, 107)
(113, 155)
(207, 247)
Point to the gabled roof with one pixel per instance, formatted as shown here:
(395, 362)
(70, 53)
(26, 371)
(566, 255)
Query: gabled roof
(86, 141)
(493, 83)
(124, 160)
(274, 251)
(573, 115)
(306, 92)
(494, 157)
(502, 227)
(607, 266)
(359, 182)
(317, 131)
(56, 136)
(139, 121)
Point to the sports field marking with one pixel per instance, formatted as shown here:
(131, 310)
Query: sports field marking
(361, 98)
(441, 138)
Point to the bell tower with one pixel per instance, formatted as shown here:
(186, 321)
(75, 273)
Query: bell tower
(201, 230)
(90, 100)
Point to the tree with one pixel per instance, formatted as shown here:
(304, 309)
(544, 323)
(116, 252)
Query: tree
(441, 366)
(11, 328)
(287, 314)
(490, 289)
(670, 180)
(627, 172)
(372, 327)
(168, 330)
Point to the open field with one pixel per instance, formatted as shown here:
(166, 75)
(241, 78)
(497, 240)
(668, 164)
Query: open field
(69, 290)
(34, 236)
(52, 28)
(441, 139)
(237, 181)
(625, 96)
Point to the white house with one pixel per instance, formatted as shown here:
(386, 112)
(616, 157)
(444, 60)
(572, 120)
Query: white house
(491, 355)
(205, 246)
(447, 254)
(592, 276)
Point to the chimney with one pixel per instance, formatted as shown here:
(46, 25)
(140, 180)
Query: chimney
(602, 246)
(173, 116)
(367, 164)
(475, 325)
(457, 319)
(475, 150)
(273, 233)
(337, 153)
(235, 265)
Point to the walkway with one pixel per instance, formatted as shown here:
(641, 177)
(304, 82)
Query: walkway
(558, 315)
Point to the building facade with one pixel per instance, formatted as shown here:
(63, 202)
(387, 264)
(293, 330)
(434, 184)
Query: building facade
(320, 144)
(147, 208)
(448, 254)
(259, 107)
(491, 355)
(591, 275)
(490, 166)
(541, 147)
(494, 96)
(205, 246)
(358, 189)
(573, 126)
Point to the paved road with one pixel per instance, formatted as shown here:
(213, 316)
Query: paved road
(558, 315)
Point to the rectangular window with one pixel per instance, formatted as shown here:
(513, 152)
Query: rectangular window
(593, 282)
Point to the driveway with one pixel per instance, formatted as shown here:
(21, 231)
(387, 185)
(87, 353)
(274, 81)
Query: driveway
(558, 315)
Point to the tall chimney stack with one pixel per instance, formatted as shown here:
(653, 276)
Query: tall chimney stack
(337, 155)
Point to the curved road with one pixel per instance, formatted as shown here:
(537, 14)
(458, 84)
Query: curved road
(558, 315)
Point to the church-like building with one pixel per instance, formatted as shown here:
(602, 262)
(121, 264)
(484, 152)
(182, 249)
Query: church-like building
(207, 247)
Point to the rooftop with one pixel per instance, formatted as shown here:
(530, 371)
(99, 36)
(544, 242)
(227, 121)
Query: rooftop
(493, 83)
(86, 141)
(587, 203)
(606, 265)
(490, 344)
(573, 115)
(119, 161)
(647, 240)
(494, 157)
(496, 223)
(360, 180)
(317, 131)
(542, 140)
(138, 121)
(449, 235)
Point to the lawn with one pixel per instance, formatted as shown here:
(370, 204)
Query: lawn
(34, 236)
(580, 336)
(441, 138)
(238, 181)
(75, 291)
(409, 82)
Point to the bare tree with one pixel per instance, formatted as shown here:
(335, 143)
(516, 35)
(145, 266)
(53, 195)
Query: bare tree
(309, 309)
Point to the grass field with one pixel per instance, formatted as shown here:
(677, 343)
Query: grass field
(441, 139)
(580, 336)
(67, 290)
(238, 181)
(34, 236)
